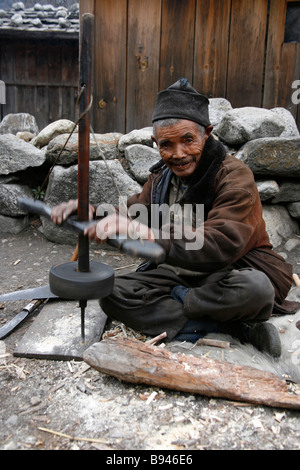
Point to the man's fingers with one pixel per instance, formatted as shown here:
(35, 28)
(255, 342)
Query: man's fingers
(61, 212)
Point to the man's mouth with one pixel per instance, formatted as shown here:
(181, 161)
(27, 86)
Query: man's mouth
(181, 164)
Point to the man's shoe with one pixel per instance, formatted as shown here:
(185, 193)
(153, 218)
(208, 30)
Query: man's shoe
(264, 336)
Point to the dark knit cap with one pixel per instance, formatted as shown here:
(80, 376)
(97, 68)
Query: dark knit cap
(182, 101)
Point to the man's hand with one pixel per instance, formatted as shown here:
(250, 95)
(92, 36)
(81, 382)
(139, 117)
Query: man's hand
(115, 224)
(61, 212)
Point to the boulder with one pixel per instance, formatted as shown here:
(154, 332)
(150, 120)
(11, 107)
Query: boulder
(289, 191)
(217, 108)
(17, 155)
(25, 135)
(108, 144)
(279, 225)
(272, 156)
(19, 122)
(294, 209)
(9, 193)
(240, 125)
(62, 126)
(63, 186)
(267, 189)
(290, 126)
(137, 136)
(13, 225)
(141, 158)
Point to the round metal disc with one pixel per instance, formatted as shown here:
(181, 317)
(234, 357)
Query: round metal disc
(68, 283)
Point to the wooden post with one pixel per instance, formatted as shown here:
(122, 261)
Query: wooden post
(85, 86)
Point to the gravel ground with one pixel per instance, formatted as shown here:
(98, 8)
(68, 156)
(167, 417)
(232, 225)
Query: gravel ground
(67, 405)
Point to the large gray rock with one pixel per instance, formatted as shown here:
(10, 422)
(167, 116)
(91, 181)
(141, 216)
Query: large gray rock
(217, 108)
(9, 194)
(290, 126)
(272, 156)
(17, 155)
(107, 143)
(289, 191)
(12, 225)
(294, 209)
(19, 122)
(241, 125)
(267, 189)
(141, 158)
(137, 136)
(63, 186)
(279, 225)
(62, 126)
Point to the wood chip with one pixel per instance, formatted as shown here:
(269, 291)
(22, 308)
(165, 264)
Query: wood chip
(213, 342)
(296, 280)
(73, 438)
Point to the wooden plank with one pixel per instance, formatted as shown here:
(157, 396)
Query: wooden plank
(142, 62)
(137, 362)
(177, 41)
(42, 107)
(289, 72)
(7, 60)
(110, 66)
(275, 38)
(54, 63)
(246, 52)
(70, 64)
(211, 47)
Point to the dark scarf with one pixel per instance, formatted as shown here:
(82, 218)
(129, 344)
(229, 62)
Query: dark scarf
(200, 187)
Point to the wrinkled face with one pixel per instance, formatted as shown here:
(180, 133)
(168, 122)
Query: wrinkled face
(181, 146)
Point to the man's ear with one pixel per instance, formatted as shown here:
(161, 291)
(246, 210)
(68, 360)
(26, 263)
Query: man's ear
(208, 131)
(154, 139)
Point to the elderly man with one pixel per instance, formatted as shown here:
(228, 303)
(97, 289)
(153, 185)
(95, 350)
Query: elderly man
(229, 280)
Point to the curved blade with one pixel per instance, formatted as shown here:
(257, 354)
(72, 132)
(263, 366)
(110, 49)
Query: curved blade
(43, 292)
(11, 325)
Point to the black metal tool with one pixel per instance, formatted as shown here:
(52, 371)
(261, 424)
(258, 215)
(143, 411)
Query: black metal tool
(147, 250)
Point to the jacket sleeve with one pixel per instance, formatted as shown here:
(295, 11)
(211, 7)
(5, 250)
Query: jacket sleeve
(233, 227)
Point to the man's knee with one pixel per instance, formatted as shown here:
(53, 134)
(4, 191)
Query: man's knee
(258, 290)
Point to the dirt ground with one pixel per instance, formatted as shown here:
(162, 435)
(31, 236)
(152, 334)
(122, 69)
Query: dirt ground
(67, 405)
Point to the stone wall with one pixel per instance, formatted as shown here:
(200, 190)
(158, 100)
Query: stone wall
(267, 141)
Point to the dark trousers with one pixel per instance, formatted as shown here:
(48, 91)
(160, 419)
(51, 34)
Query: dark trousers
(143, 300)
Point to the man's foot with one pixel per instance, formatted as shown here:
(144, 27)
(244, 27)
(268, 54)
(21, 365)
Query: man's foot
(264, 336)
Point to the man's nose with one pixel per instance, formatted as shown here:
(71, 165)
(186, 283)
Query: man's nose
(179, 151)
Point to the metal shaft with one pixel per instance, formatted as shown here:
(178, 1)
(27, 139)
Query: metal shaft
(85, 64)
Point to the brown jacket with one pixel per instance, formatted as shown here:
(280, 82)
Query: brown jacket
(234, 229)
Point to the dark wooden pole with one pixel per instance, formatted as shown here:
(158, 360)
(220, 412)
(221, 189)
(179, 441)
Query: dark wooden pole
(85, 88)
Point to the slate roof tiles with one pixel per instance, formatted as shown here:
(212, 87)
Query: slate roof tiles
(40, 18)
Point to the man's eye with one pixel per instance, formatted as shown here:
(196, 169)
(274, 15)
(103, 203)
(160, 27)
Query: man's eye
(164, 144)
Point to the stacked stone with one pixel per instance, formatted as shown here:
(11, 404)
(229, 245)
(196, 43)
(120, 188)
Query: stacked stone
(267, 141)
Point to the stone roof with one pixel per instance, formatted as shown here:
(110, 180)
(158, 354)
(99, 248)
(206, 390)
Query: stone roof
(40, 18)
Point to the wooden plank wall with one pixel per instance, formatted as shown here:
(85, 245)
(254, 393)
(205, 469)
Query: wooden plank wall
(41, 78)
(226, 48)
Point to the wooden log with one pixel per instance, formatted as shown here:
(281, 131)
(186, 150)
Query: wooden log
(133, 361)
